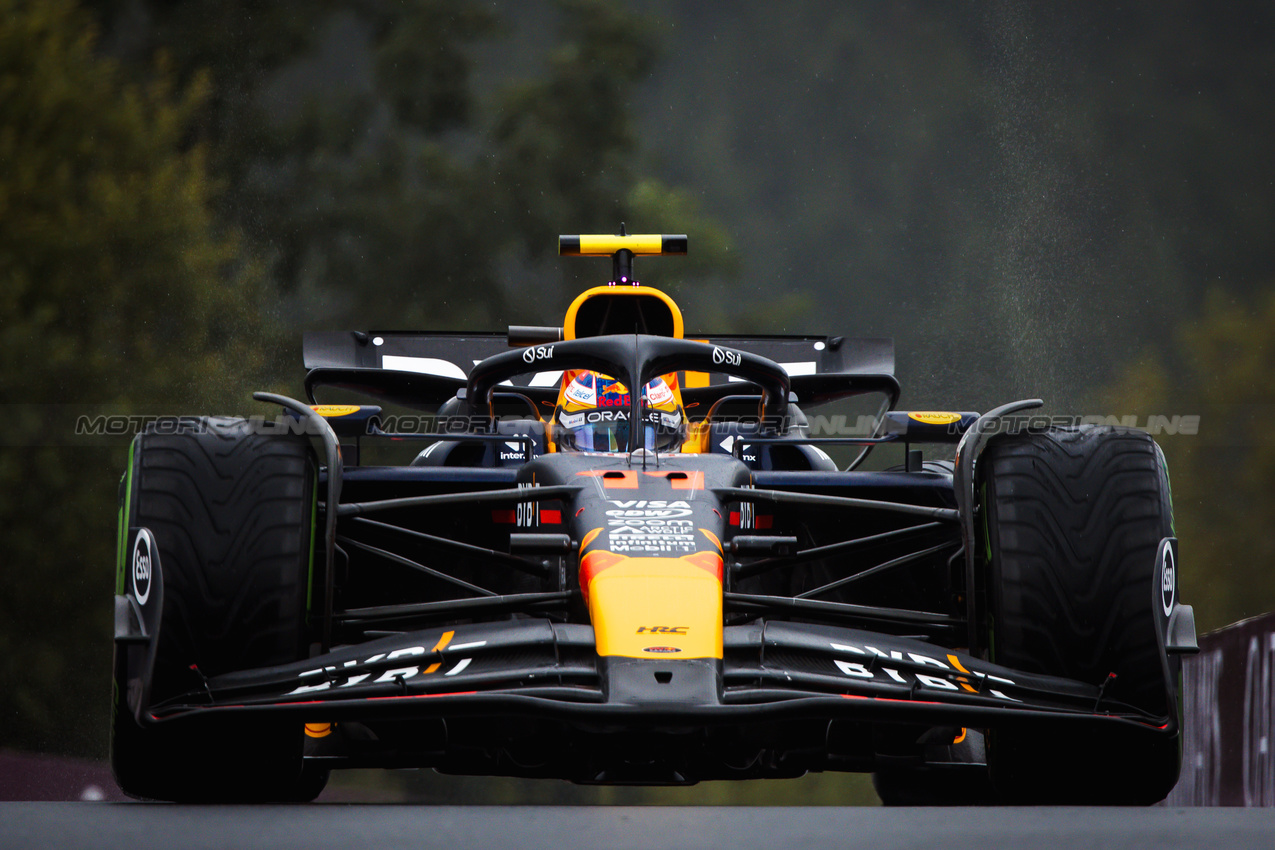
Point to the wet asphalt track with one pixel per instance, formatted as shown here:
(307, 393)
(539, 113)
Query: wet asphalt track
(136, 826)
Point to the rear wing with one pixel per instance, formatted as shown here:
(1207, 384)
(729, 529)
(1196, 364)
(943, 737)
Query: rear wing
(425, 369)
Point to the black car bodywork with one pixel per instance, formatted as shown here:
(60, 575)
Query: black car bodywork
(447, 614)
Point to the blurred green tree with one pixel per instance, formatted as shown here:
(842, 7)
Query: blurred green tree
(1023, 195)
(177, 191)
(116, 289)
(1222, 476)
(382, 183)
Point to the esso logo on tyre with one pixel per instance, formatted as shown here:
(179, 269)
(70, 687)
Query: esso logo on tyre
(1168, 580)
(725, 355)
(532, 353)
(143, 561)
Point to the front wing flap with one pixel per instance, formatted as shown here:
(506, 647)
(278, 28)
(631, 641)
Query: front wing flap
(544, 669)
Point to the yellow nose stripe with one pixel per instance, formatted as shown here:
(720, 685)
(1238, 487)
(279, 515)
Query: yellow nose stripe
(667, 608)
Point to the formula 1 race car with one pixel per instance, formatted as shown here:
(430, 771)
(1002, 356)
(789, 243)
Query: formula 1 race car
(625, 554)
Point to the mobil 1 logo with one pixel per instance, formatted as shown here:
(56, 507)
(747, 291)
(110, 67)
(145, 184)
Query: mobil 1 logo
(646, 526)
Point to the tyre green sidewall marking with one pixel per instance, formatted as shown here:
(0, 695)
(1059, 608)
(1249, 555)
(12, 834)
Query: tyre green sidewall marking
(124, 513)
(1168, 483)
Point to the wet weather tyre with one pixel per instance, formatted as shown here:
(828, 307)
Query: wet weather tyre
(1073, 518)
(231, 511)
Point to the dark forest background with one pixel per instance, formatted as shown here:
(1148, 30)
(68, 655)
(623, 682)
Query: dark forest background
(1069, 200)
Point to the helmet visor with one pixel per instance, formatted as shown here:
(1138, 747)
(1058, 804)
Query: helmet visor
(613, 436)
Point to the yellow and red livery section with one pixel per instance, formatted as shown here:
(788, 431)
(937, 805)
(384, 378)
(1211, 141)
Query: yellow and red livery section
(654, 607)
(641, 605)
(650, 606)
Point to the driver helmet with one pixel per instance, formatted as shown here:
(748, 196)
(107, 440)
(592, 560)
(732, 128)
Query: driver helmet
(593, 415)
